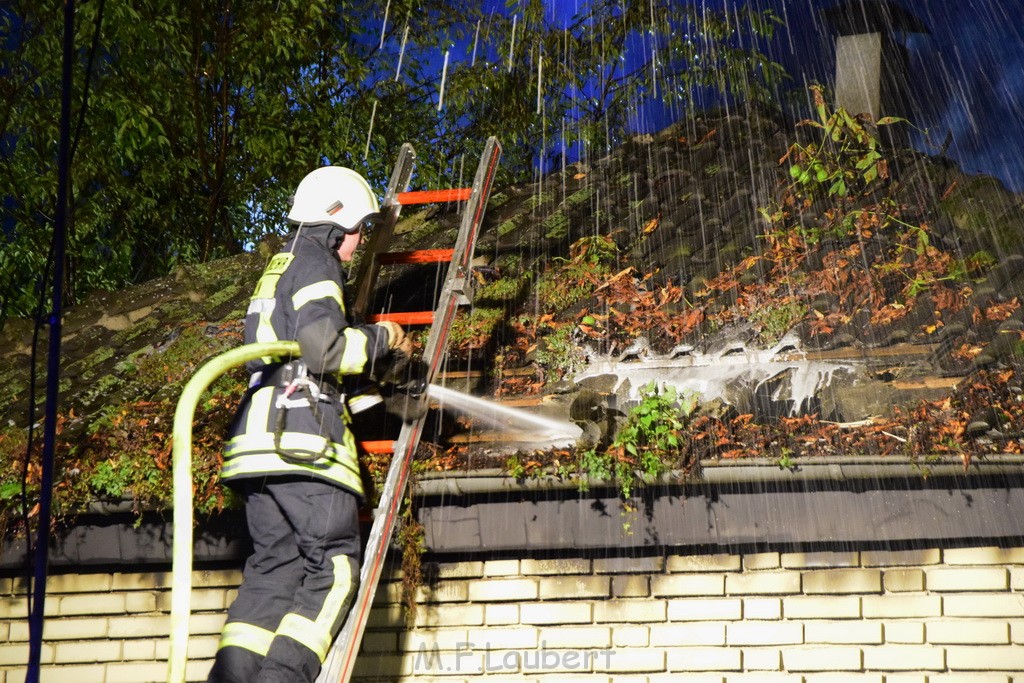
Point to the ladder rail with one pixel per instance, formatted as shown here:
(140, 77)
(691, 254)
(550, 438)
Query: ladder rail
(340, 662)
(366, 276)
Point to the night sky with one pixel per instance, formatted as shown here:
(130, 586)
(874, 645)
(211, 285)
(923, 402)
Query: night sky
(966, 76)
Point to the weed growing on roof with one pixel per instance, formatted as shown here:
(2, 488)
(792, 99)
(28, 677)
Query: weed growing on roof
(650, 443)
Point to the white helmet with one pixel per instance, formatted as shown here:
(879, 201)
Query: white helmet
(335, 195)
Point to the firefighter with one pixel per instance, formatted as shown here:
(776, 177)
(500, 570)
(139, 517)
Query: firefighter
(290, 452)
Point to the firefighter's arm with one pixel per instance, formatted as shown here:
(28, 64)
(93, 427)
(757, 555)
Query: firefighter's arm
(329, 345)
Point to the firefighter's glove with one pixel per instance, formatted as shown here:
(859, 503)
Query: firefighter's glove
(406, 397)
(397, 339)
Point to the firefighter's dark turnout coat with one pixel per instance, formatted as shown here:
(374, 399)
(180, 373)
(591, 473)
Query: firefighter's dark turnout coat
(300, 474)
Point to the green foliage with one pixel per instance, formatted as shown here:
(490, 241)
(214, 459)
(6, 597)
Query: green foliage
(774, 321)
(846, 162)
(203, 115)
(558, 351)
(650, 442)
(568, 281)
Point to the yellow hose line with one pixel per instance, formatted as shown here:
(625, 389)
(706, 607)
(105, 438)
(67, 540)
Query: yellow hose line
(181, 573)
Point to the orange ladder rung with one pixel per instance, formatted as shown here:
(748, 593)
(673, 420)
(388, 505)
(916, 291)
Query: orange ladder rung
(418, 256)
(378, 447)
(405, 318)
(458, 194)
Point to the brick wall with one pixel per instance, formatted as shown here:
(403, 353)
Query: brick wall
(916, 616)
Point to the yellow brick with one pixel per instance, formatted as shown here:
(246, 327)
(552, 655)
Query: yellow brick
(562, 587)
(704, 563)
(498, 615)
(577, 637)
(903, 580)
(763, 677)
(70, 583)
(986, 555)
(145, 601)
(445, 615)
(139, 627)
(1017, 578)
(1017, 633)
(903, 632)
(688, 584)
(821, 607)
(439, 639)
(554, 661)
(629, 565)
(1011, 605)
(764, 633)
(901, 606)
(973, 677)
(631, 636)
(141, 581)
(442, 591)
(140, 648)
(136, 672)
(553, 567)
(220, 578)
(906, 678)
(820, 560)
(841, 581)
(443, 664)
(202, 600)
(762, 608)
(821, 659)
(629, 611)
(101, 603)
(393, 616)
(763, 583)
(546, 613)
(963, 632)
(704, 659)
(631, 586)
(843, 632)
(16, 608)
(703, 633)
(762, 659)
(62, 629)
(828, 677)
(701, 609)
(900, 558)
(17, 654)
(631, 661)
(494, 590)
(456, 570)
(87, 652)
(967, 579)
(756, 561)
(391, 667)
(379, 641)
(491, 638)
(80, 673)
(904, 658)
(501, 568)
(985, 658)
(205, 624)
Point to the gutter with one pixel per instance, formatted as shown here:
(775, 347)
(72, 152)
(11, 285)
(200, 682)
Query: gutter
(718, 473)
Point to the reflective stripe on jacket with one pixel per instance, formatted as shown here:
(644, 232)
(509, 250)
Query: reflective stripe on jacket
(299, 297)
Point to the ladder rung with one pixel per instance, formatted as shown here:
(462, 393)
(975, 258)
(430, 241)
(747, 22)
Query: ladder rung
(458, 194)
(405, 318)
(378, 447)
(417, 256)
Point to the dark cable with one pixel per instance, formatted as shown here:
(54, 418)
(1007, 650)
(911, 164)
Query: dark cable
(35, 622)
(88, 79)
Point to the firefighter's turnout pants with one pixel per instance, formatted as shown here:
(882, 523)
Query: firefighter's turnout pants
(298, 584)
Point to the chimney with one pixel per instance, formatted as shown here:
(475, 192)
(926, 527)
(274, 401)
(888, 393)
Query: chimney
(872, 66)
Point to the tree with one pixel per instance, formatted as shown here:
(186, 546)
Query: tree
(202, 115)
